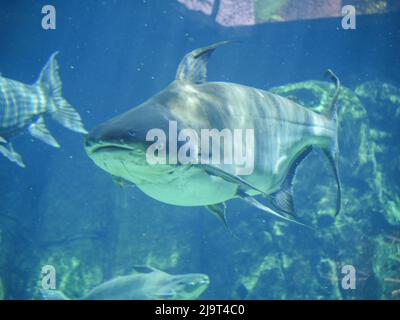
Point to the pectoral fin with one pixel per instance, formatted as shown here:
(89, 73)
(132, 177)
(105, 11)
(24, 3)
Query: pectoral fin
(215, 171)
(2, 140)
(9, 152)
(245, 186)
(39, 131)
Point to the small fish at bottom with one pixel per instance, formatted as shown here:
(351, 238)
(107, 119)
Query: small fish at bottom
(146, 283)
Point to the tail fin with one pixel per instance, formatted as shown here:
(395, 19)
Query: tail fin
(333, 153)
(49, 80)
(53, 295)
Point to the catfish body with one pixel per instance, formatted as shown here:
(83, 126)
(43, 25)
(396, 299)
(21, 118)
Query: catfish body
(146, 283)
(284, 134)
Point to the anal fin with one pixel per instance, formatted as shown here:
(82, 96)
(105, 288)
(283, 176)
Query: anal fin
(283, 199)
(255, 203)
(39, 131)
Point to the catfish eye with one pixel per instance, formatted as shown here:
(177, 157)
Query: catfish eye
(132, 133)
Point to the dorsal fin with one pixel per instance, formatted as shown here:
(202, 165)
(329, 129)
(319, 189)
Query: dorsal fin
(193, 66)
(283, 199)
(144, 269)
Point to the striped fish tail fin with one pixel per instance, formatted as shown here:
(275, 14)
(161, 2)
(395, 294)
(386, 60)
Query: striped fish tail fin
(50, 81)
(53, 295)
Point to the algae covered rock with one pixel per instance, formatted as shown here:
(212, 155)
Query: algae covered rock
(73, 277)
(386, 265)
(101, 231)
(382, 101)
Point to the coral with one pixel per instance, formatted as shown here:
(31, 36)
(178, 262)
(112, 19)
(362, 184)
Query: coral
(382, 101)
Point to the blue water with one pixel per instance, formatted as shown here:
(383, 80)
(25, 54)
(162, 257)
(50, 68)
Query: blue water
(64, 211)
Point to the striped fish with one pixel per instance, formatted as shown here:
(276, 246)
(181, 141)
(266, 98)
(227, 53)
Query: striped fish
(24, 106)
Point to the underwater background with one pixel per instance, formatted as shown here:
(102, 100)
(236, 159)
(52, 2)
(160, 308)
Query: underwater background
(64, 211)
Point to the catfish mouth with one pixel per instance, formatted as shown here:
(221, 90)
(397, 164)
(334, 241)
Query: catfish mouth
(197, 283)
(204, 280)
(98, 148)
(197, 286)
(93, 146)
